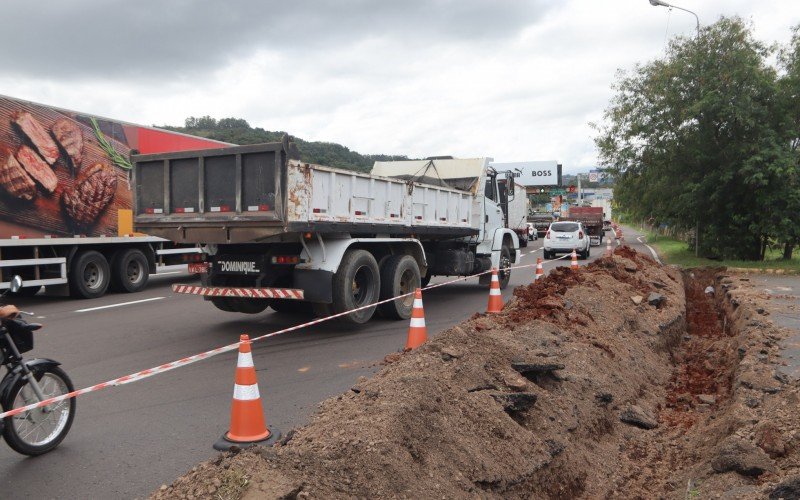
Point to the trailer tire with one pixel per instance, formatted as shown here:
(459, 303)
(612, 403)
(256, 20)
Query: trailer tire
(357, 283)
(90, 275)
(399, 276)
(129, 270)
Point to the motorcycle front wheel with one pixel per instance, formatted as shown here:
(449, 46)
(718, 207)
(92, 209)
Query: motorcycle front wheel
(39, 430)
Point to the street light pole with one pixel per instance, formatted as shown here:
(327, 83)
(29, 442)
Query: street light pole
(661, 3)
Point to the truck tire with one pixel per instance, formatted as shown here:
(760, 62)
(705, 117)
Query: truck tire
(585, 254)
(247, 306)
(399, 276)
(505, 262)
(129, 270)
(290, 306)
(89, 275)
(222, 304)
(356, 284)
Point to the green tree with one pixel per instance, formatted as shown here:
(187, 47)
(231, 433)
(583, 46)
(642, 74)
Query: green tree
(787, 219)
(695, 140)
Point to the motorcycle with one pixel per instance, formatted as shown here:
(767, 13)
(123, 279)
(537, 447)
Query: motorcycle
(39, 430)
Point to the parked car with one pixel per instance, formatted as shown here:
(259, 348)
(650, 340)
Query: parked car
(564, 237)
(533, 234)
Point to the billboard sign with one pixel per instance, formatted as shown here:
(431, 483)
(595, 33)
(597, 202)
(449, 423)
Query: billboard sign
(65, 173)
(533, 173)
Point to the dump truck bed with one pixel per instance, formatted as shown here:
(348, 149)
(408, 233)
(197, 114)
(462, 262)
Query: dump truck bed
(249, 194)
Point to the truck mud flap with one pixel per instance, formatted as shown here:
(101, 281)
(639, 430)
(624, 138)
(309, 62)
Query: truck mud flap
(246, 293)
(316, 284)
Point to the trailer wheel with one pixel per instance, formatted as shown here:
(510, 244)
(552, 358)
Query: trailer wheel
(399, 276)
(357, 283)
(129, 270)
(504, 273)
(89, 275)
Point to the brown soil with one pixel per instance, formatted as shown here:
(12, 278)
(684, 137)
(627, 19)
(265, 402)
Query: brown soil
(527, 404)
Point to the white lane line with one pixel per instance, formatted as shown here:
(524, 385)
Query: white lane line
(118, 305)
(655, 255)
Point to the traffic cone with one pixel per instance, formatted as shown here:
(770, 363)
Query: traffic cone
(574, 265)
(247, 415)
(608, 248)
(495, 299)
(539, 269)
(417, 331)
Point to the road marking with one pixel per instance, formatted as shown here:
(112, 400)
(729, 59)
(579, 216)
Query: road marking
(118, 305)
(655, 255)
(304, 369)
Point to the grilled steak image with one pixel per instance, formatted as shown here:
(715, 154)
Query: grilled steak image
(13, 177)
(69, 136)
(37, 134)
(37, 168)
(92, 194)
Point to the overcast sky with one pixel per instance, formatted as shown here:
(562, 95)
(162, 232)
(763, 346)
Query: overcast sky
(514, 80)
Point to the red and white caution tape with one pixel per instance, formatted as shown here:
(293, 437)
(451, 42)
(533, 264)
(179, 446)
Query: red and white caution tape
(141, 375)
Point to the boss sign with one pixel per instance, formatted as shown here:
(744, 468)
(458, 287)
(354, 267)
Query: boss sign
(533, 173)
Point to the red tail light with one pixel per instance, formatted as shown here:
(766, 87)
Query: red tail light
(580, 235)
(547, 235)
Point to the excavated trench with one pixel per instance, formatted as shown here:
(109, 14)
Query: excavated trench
(625, 379)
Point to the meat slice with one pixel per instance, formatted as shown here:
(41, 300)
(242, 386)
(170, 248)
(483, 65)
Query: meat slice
(92, 193)
(13, 177)
(37, 134)
(37, 168)
(69, 135)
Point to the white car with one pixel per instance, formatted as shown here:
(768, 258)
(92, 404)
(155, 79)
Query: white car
(533, 234)
(564, 237)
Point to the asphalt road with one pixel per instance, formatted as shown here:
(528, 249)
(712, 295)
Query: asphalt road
(126, 441)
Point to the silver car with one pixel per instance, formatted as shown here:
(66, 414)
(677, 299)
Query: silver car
(564, 237)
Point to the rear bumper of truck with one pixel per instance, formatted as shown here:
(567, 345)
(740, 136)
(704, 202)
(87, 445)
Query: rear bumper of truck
(239, 292)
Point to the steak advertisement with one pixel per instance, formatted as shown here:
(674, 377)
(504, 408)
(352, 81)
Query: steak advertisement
(64, 173)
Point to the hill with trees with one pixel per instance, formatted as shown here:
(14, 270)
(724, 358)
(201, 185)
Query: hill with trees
(238, 131)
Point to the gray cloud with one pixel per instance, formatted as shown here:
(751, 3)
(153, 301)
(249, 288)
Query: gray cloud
(153, 40)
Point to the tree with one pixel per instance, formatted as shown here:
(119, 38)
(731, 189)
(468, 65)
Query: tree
(695, 139)
(786, 220)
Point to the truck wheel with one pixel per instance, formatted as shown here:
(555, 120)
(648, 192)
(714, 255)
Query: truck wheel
(399, 276)
(89, 275)
(523, 242)
(585, 253)
(247, 306)
(504, 272)
(129, 270)
(222, 304)
(356, 284)
(290, 306)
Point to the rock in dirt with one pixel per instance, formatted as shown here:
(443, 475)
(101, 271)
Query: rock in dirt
(516, 402)
(655, 299)
(737, 455)
(636, 416)
(707, 399)
(637, 299)
(787, 490)
(536, 368)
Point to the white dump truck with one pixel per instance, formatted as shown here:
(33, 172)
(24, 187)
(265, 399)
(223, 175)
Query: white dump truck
(278, 233)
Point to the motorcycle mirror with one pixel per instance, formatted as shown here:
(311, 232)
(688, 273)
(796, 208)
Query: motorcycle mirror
(16, 284)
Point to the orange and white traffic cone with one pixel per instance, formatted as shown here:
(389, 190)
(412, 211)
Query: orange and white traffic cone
(495, 299)
(247, 415)
(539, 269)
(574, 265)
(417, 331)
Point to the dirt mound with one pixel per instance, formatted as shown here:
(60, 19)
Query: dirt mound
(528, 403)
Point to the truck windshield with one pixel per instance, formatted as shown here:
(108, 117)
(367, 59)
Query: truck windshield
(564, 227)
